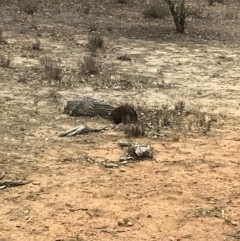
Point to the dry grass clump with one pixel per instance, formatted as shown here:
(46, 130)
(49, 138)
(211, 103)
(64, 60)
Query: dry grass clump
(89, 65)
(176, 118)
(95, 42)
(122, 1)
(29, 6)
(52, 68)
(210, 2)
(134, 130)
(37, 44)
(2, 40)
(23, 77)
(156, 9)
(163, 117)
(5, 61)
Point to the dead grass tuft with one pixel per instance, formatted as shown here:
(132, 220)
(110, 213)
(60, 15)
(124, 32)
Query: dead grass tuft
(29, 6)
(95, 42)
(23, 77)
(174, 118)
(134, 130)
(5, 61)
(37, 44)
(1, 37)
(53, 69)
(89, 65)
(122, 1)
(156, 9)
(210, 2)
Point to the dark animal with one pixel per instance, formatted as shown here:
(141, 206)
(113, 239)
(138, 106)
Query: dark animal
(124, 114)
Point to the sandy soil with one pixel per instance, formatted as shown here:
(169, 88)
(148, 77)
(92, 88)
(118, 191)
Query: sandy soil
(190, 190)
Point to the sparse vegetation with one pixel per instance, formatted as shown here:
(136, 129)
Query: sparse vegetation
(134, 130)
(93, 26)
(210, 2)
(5, 61)
(156, 9)
(29, 6)
(2, 40)
(37, 44)
(94, 186)
(33, 25)
(23, 77)
(89, 65)
(122, 1)
(95, 42)
(153, 121)
(1, 35)
(86, 9)
(124, 57)
(53, 69)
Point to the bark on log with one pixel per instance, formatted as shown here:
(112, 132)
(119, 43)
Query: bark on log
(89, 106)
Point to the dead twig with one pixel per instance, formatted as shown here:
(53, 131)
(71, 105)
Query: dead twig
(13, 184)
(83, 129)
(78, 209)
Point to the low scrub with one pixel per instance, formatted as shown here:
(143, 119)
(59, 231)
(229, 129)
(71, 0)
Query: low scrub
(156, 9)
(29, 6)
(52, 68)
(5, 61)
(95, 42)
(89, 65)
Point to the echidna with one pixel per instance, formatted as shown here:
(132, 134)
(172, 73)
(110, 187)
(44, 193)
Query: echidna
(124, 114)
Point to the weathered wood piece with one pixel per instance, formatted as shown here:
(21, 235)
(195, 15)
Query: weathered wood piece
(83, 129)
(13, 184)
(89, 106)
(138, 152)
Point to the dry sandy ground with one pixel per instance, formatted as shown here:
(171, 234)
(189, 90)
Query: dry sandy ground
(190, 190)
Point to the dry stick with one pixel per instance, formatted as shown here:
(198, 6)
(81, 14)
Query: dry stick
(13, 184)
(83, 129)
(112, 232)
(78, 209)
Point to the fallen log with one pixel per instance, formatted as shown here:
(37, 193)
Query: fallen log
(89, 106)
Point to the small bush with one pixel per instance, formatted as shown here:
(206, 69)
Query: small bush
(1, 36)
(164, 117)
(93, 26)
(29, 6)
(86, 9)
(122, 1)
(156, 9)
(53, 69)
(134, 130)
(2, 40)
(23, 77)
(37, 44)
(210, 2)
(89, 65)
(95, 41)
(4, 61)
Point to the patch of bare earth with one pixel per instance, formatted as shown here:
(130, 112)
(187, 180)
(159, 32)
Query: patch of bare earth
(190, 190)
